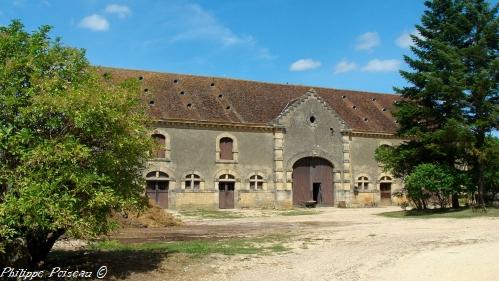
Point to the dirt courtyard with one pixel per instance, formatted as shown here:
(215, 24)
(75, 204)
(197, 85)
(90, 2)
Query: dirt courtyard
(336, 244)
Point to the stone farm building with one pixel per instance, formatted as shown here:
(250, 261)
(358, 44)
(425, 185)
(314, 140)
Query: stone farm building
(227, 143)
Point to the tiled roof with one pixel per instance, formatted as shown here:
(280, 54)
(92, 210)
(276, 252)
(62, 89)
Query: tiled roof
(200, 98)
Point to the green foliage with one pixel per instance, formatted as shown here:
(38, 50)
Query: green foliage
(72, 145)
(431, 182)
(450, 106)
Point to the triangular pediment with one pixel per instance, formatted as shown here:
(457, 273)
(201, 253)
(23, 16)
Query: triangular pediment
(309, 96)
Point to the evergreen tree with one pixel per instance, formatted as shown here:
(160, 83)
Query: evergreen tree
(450, 104)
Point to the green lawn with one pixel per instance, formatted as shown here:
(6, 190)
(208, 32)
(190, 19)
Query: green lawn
(232, 214)
(442, 213)
(212, 214)
(299, 212)
(259, 245)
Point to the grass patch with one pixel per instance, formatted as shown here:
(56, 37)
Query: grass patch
(212, 214)
(298, 212)
(442, 213)
(259, 245)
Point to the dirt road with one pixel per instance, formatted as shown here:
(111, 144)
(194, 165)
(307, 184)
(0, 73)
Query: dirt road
(350, 244)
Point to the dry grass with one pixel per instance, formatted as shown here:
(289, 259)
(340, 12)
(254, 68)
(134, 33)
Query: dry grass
(153, 216)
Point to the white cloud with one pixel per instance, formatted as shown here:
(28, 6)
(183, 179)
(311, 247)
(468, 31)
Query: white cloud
(121, 10)
(405, 40)
(377, 65)
(95, 23)
(265, 54)
(304, 64)
(195, 23)
(344, 66)
(367, 41)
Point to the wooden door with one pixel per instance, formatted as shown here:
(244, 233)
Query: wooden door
(158, 192)
(226, 195)
(385, 189)
(313, 174)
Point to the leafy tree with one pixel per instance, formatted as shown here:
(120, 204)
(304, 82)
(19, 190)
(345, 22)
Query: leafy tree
(431, 182)
(450, 104)
(72, 144)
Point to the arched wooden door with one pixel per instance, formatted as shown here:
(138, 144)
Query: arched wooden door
(157, 187)
(313, 181)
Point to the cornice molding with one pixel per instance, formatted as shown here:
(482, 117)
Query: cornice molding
(179, 123)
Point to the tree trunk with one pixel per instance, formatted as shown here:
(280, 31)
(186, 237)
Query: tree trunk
(455, 201)
(39, 246)
(481, 170)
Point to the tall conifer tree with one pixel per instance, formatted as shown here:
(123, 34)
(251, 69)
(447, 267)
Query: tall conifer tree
(450, 104)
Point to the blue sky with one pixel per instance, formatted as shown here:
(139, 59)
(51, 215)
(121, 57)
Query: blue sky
(354, 45)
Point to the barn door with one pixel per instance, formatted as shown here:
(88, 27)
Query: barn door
(313, 181)
(226, 195)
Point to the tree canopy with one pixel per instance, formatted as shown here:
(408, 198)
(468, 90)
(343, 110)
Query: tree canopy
(450, 107)
(72, 144)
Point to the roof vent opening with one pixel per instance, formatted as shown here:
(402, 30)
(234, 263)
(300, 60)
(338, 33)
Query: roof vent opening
(141, 77)
(182, 93)
(175, 81)
(212, 84)
(354, 106)
(228, 107)
(151, 102)
(189, 105)
(146, 90)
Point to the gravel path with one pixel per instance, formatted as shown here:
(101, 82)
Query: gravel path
(356, 244)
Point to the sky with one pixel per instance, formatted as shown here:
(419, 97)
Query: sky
(356, 45)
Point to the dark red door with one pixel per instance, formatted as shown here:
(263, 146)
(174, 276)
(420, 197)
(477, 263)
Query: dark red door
(158, 192)
(385, 189)
(226, 195)
(313, 181)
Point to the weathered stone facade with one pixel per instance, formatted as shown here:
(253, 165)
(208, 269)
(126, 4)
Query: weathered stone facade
(260, 169)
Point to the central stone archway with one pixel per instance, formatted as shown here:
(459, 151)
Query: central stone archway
(313, 181)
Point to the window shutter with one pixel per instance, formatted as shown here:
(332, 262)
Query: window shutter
(226, 149)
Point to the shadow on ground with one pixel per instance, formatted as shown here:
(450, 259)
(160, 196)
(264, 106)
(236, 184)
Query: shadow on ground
(120, 264)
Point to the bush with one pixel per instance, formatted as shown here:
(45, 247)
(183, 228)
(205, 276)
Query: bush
(431, 184)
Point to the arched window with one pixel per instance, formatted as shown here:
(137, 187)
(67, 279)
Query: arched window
(385, 179)
(159, 150)
(256, 182)
(227, 177)
(363, 183)
(192, 181)
(226, 149)
(157, 187)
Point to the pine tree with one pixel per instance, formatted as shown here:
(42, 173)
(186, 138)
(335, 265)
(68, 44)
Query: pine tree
(450, 104)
